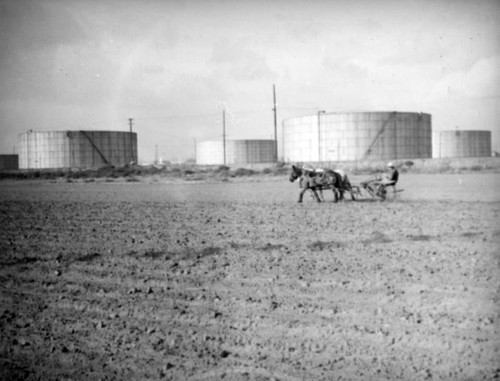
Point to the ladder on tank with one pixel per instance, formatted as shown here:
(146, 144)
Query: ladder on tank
(95, 147)
(380, 132)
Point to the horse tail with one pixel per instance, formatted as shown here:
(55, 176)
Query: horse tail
(347, 182)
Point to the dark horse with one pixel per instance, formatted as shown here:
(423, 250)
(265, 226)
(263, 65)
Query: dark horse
(318, 180)
(345, 185)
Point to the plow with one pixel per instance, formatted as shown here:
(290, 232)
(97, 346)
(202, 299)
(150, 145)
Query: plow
(373, 189)
(315, 181)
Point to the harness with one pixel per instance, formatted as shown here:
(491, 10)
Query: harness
(315, 177)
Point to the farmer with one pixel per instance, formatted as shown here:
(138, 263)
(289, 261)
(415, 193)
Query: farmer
(390, 178)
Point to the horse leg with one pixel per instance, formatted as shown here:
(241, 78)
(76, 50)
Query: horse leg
(335, 194)
(301, 194)
(321, 194)
(316, 194)
(348, 187)
(352, 193)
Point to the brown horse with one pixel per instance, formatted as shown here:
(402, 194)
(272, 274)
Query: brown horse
(316, 181)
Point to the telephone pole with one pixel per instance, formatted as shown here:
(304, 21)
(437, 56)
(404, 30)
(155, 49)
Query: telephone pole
(195, 150)
(224, 134)
(319, 134)
(275, 126)
(130, 122)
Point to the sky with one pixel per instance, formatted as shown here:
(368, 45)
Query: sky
(173, 66)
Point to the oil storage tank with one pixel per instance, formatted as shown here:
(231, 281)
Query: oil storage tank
(357, 136)
(76, 149)
(235, 152)
(9, 162)
(462, 144)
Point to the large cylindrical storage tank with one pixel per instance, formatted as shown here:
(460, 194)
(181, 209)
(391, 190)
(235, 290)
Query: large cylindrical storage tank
(357, 136)
(210, 152)
(236, 152)
(462, 144)
(76, 149)
(9, 162)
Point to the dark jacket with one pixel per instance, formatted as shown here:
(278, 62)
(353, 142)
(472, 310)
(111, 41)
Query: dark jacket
(394, 175)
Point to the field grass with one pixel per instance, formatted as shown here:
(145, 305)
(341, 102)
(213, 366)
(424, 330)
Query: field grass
(192, 172)
(237, 281)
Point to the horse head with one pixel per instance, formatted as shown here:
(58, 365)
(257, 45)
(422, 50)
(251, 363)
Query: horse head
(296, 173)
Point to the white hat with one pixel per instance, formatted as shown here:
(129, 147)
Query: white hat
(390, 165)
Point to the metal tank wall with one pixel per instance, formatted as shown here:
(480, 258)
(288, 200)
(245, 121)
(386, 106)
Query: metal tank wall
(76, 149)
(210, 153)
(357, 136)
(9, 162)
(462, 144)
(237, 152)
(250, 151)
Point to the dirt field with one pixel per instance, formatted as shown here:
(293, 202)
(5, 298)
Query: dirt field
(236, 281)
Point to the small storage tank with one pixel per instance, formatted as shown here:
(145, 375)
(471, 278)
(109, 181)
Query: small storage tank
(462, 144)
(357, 136)
(76, 149)
(9, 162)
(236, 152)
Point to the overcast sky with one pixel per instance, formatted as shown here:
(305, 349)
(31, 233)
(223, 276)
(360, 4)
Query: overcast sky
(173, 66)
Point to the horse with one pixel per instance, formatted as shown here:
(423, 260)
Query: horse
(317, 181)
(346, 184)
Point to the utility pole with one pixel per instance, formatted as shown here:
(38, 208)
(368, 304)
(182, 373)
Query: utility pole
(224, 134)
(156, 155)
(130, 122)
(28, 148)
(319, 134)
(195, 150)
(275, 126)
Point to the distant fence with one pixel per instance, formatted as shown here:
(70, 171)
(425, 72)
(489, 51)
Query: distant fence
(417, 165)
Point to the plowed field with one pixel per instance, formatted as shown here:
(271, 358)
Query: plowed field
(236, 281)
